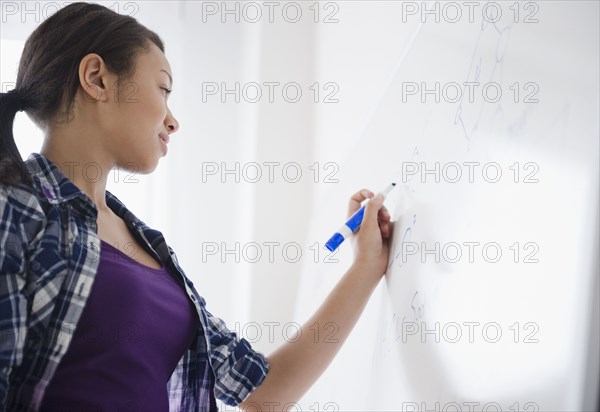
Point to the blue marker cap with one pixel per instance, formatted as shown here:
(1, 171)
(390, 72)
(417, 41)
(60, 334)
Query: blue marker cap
(333, 243)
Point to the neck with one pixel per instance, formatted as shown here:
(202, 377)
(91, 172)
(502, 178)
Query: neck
(85, 171)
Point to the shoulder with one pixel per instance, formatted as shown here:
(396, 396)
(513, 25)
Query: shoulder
(21, 214)
(21, 201)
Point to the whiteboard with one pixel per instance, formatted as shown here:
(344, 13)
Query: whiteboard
(487, 303)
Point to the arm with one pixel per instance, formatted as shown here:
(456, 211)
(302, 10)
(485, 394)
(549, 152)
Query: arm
(297, 364)
(13, 302)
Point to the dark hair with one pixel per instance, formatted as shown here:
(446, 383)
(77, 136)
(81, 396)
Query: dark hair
(48, 76)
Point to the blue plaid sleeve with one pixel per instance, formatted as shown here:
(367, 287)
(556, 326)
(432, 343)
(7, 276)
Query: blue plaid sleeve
(238, 368)
(20, 220)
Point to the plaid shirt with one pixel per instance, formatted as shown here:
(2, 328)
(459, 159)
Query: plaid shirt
(49, 251)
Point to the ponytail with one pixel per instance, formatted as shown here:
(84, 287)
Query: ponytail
(12, 168)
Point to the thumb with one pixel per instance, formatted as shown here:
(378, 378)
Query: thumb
(371, 210)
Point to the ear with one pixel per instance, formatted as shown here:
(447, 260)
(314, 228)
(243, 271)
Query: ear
(94, 78)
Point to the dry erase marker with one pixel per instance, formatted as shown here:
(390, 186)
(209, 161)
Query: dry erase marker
(352, 224)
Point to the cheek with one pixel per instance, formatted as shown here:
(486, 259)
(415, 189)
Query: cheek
(141, 120)
(151, 115)
(141, 115)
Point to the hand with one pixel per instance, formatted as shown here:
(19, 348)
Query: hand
(371, 240)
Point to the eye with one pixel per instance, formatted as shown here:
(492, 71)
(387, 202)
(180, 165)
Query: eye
(167, 90)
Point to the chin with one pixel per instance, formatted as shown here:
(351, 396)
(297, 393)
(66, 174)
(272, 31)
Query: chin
(149, 168)
(138, 167)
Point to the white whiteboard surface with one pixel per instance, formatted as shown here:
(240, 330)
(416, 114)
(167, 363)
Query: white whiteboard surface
(541, 215)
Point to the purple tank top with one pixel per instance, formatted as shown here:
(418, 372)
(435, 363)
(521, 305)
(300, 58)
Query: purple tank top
(136, 325)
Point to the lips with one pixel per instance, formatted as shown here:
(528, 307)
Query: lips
(164, 137)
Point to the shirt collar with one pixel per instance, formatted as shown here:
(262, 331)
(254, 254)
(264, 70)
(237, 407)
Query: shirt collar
(58, 188)
(54, 184)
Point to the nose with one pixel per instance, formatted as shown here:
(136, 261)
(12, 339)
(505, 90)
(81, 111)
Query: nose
(171, 123)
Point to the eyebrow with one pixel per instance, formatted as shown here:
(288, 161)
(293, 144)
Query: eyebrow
(170, 78)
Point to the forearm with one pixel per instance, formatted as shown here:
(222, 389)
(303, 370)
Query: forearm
(298, 363)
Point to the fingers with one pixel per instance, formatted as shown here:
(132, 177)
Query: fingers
(380, 213)
(372, 211)
(383, 216)
(357, 198)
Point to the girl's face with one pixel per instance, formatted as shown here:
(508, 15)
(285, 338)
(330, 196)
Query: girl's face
(142, 114)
